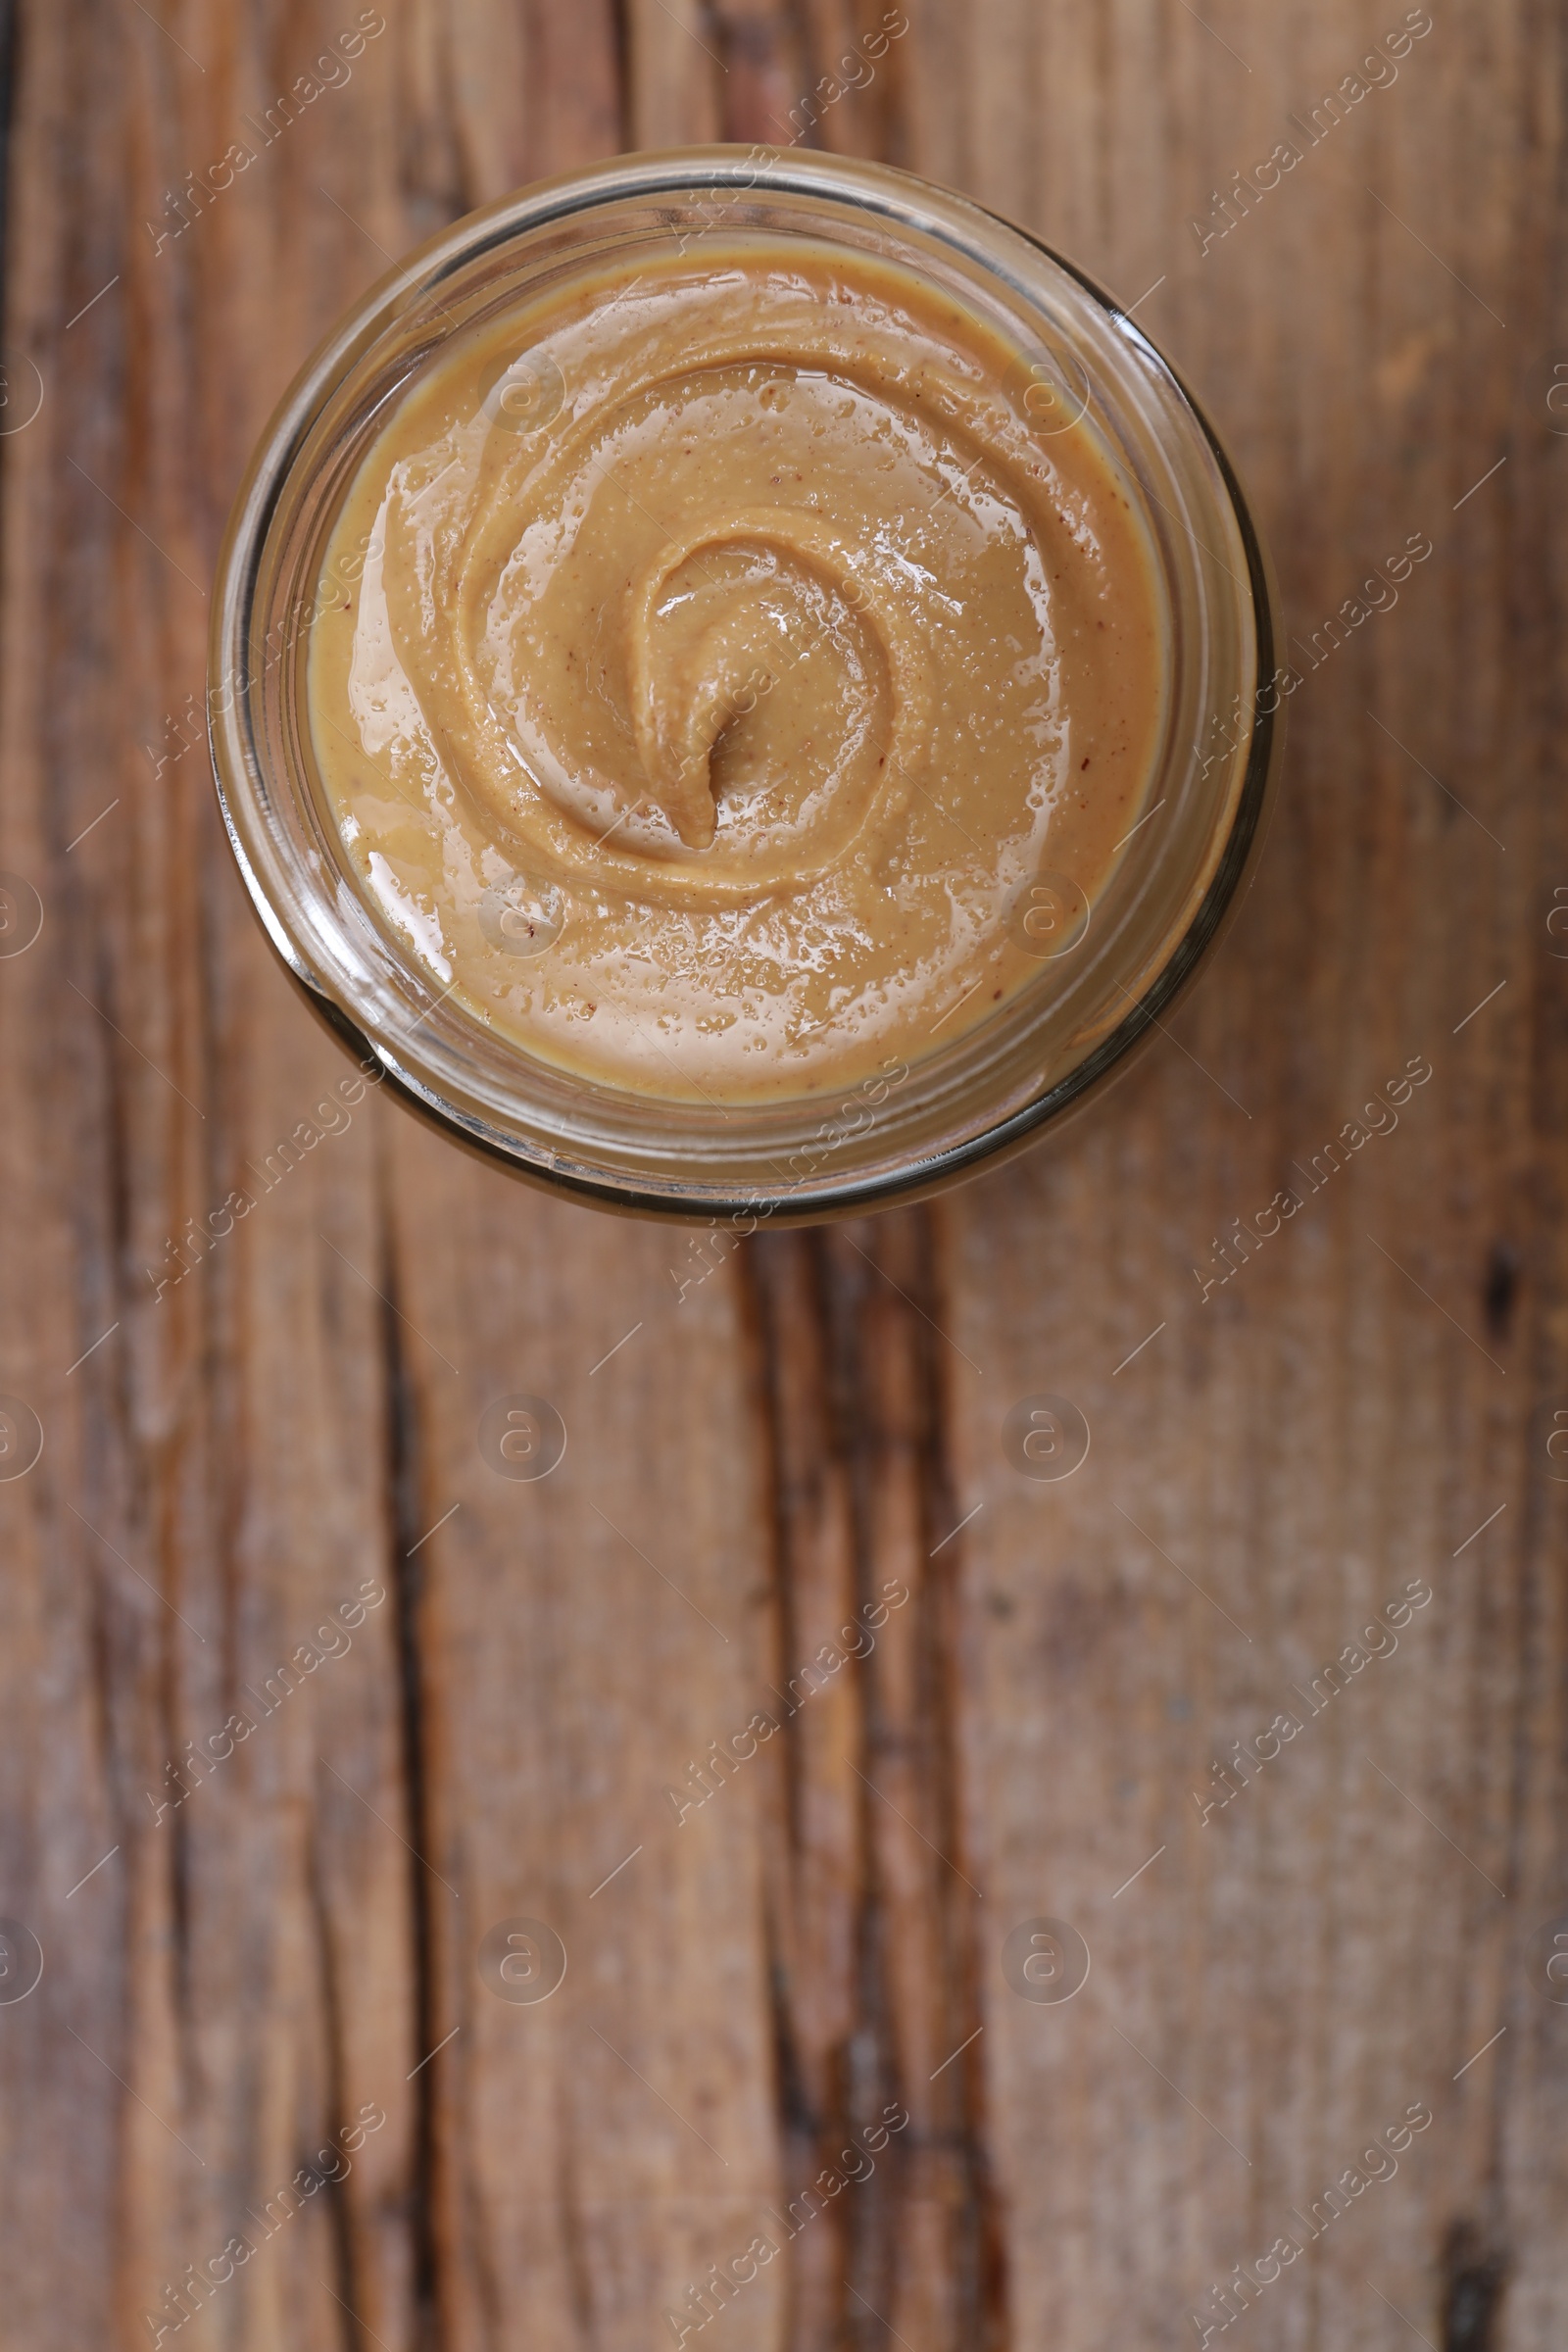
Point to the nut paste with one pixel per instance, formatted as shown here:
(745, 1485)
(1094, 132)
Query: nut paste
(712, 657)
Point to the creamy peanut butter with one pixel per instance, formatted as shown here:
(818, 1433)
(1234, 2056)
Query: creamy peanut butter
(712, 655)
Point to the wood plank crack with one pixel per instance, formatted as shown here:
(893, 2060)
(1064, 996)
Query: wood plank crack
(405, 1581)
(872, 1926)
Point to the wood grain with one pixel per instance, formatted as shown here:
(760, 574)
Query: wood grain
(766, 1956)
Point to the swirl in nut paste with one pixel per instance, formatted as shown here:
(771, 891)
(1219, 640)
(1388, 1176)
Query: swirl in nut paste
(708, 658)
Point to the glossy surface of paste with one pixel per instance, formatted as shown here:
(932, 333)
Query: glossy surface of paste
(711, 656)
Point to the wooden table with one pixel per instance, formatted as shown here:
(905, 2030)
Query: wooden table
(246, 1963)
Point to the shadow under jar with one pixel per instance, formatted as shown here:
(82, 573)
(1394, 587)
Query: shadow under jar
(484, 796)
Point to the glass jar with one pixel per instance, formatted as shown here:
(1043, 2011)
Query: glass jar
(1101, 987)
